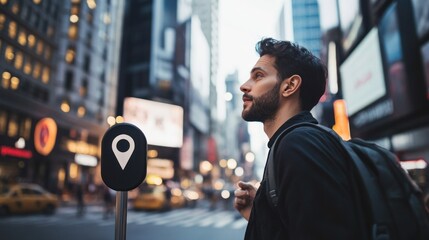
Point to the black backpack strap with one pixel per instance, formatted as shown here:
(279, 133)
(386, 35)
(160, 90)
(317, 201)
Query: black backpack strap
(269, 172)
(380, 213)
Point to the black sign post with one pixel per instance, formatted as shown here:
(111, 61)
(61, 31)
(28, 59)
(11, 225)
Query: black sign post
(123, 167)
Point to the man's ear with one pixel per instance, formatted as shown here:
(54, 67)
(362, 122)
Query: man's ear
(291, 85)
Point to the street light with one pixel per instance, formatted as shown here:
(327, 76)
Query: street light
(250, 157)
(223, 163)
(232, 164)
(239, 172)
(205, 167)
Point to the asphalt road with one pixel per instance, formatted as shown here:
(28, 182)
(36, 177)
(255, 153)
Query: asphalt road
(180, 224)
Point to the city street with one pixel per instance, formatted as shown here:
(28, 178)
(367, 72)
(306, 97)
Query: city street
(179, 224)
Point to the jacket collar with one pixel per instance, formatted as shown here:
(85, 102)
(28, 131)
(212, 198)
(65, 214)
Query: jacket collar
(304, 116)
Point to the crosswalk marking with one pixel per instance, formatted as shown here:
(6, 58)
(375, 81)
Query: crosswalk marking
(184, 217)
(239, 223)
(224, 221)
(212, 219)
(176, 215)
(189, 222)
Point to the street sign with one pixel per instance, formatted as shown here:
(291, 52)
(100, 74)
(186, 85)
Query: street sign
(123, 157)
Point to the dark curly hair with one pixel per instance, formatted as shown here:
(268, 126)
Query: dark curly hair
(291, 59)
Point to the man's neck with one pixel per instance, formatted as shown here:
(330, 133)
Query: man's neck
(282, 115)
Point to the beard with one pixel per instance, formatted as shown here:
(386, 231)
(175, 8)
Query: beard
(264, 107)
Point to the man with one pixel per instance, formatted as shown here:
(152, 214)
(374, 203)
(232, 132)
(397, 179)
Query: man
(318, 196)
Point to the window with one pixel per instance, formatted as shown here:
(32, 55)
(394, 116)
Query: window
(86, 63)
(15, 8)
(50, 31)
(44, 26)
(9, 54)
(70, 55)
(19, 59)
(2, 20)
(24, 12)
(65, 106)
(45, 75)
(12, 129)
(73, 32)
(28, 65)
(68, 85)
(88, 39)
(25, 130)
(74, 9)
(6, 76)
(22, 38)
(83, 91)
(37, 70)
(12, 29)
(39, 49)
(3, 121)
(81, 111)
(31, 40)
(90, 18)
(14, 83)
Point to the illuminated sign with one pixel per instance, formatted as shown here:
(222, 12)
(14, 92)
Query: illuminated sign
(45, 135)
(362, 74)
(163, 168)
(161, 123)
(85, 160)
(15, 152)
(413, 164)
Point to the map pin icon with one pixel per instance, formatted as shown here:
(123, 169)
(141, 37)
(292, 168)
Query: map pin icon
(123, 157)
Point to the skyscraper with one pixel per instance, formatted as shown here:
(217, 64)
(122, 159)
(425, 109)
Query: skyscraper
(300, 23)
(58, 70)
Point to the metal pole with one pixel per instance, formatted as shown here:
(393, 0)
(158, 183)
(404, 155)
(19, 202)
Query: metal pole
(121, 215)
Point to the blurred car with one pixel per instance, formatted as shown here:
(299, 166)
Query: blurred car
(155, 197)
(27, 198)
(191, 197)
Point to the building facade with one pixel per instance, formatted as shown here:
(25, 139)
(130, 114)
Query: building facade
(58, 65)
(382, 71)
(300, 22)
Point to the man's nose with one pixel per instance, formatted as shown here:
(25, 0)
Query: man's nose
(245, 87)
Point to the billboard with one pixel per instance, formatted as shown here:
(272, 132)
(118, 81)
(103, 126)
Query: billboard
(351, 22)
(362, 74)
(200, 77)
(163, 43)
(425, 57)
(161, 123)
(392, 52)
(421, 16)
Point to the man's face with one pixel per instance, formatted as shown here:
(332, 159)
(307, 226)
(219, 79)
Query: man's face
(261, 91)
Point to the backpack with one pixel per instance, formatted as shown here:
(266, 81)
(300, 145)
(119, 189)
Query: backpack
(397, 208)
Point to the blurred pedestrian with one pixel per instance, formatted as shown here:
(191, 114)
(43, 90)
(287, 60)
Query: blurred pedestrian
(426, 201)
(80, 202)
(317, 196)
(108, 201)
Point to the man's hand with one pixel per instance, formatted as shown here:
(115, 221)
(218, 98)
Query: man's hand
(244, 195)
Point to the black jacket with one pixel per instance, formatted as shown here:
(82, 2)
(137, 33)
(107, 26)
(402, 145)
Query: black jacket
(319, 197)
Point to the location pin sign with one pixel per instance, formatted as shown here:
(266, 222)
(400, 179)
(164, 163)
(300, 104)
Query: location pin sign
(131, 170)
(123, 157)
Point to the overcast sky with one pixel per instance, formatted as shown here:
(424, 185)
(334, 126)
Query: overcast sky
(242, 23)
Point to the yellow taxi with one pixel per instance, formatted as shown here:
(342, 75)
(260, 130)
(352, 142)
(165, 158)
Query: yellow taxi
(27, 198)
(158, 197)
(151, 197)
(155, 195)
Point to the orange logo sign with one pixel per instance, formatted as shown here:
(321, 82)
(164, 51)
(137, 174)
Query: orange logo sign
(45, 135)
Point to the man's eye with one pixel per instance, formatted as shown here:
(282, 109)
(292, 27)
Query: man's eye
(258, 75)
